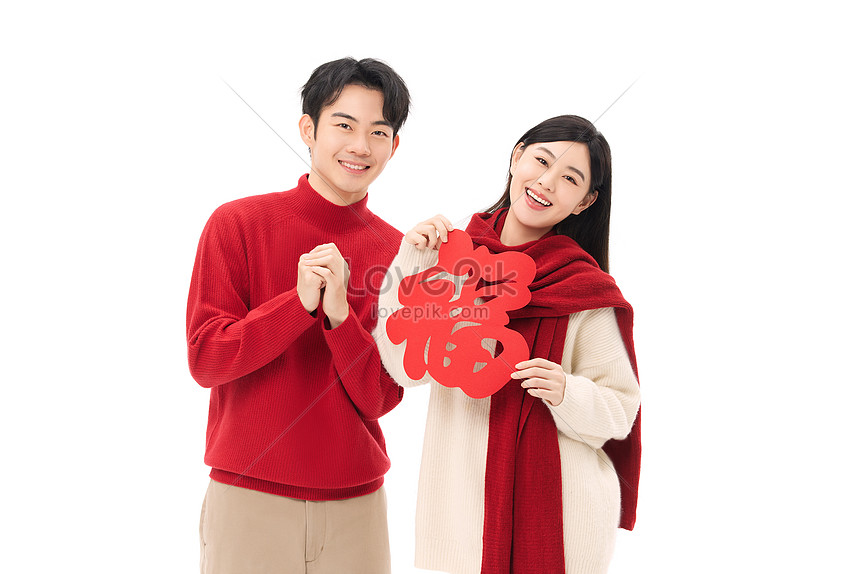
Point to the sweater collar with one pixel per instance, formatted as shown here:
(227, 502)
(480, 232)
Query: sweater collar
(325, 215)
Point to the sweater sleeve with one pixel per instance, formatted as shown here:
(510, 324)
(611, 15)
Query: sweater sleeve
(409, 261)
(358, 366)
(601, 397)
(226, 339)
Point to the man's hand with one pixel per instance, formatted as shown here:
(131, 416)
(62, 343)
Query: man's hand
(309, 283)
(326, 262)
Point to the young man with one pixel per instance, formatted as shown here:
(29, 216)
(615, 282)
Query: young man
(280, 310)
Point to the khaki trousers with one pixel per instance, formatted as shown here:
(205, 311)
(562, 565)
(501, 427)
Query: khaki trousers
(249, 532)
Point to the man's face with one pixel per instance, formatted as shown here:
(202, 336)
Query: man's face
(350, 146)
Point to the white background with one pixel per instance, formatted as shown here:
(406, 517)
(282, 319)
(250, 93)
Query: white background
(734, 236)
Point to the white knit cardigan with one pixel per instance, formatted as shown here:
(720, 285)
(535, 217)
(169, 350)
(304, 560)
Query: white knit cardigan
(600, 402)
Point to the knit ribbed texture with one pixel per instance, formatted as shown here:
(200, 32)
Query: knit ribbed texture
(600, 403)
(293, 406)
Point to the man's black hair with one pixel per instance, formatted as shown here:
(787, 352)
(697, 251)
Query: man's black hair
(328, 81)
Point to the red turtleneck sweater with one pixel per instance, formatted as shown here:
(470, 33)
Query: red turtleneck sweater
(294, 405)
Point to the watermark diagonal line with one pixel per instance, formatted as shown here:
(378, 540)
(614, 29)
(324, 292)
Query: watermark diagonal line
(268, 125)
(621, 95)
(303, 160)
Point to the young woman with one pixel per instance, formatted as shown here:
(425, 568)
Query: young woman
(537, 477)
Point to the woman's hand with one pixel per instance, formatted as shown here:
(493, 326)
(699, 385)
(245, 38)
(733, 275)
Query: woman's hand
(543, 379)
(429, 233)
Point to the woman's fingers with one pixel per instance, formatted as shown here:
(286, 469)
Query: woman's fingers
(442, 226)
(538, 372)
(430, 233)
(537, 362)
(416, 238)
(540, 383)
(547, 390)
(542, 379)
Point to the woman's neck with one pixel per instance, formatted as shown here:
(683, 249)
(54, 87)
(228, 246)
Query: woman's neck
(513, 233)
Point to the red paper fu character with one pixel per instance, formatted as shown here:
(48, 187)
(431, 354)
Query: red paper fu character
(459, 336)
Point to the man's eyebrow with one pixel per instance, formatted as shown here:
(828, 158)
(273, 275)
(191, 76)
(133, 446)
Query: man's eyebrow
(570, 167)
(350, 118)
(343, 115)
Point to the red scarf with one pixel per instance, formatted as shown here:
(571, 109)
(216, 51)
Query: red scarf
(523, 530)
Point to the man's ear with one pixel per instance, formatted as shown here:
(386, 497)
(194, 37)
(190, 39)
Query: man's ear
(515, 157)
(307, 130)
(586, 202)
(394, 143)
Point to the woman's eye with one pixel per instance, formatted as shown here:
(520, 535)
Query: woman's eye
(541, 160)
(571, 179)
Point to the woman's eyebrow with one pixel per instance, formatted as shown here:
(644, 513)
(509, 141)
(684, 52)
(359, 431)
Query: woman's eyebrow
(571, 168)
(546, 151)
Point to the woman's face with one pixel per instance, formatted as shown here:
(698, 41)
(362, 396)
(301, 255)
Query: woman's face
(549, 181)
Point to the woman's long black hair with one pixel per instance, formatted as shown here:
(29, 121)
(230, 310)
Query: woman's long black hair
(591, 227)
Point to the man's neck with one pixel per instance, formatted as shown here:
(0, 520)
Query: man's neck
(337, 197)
